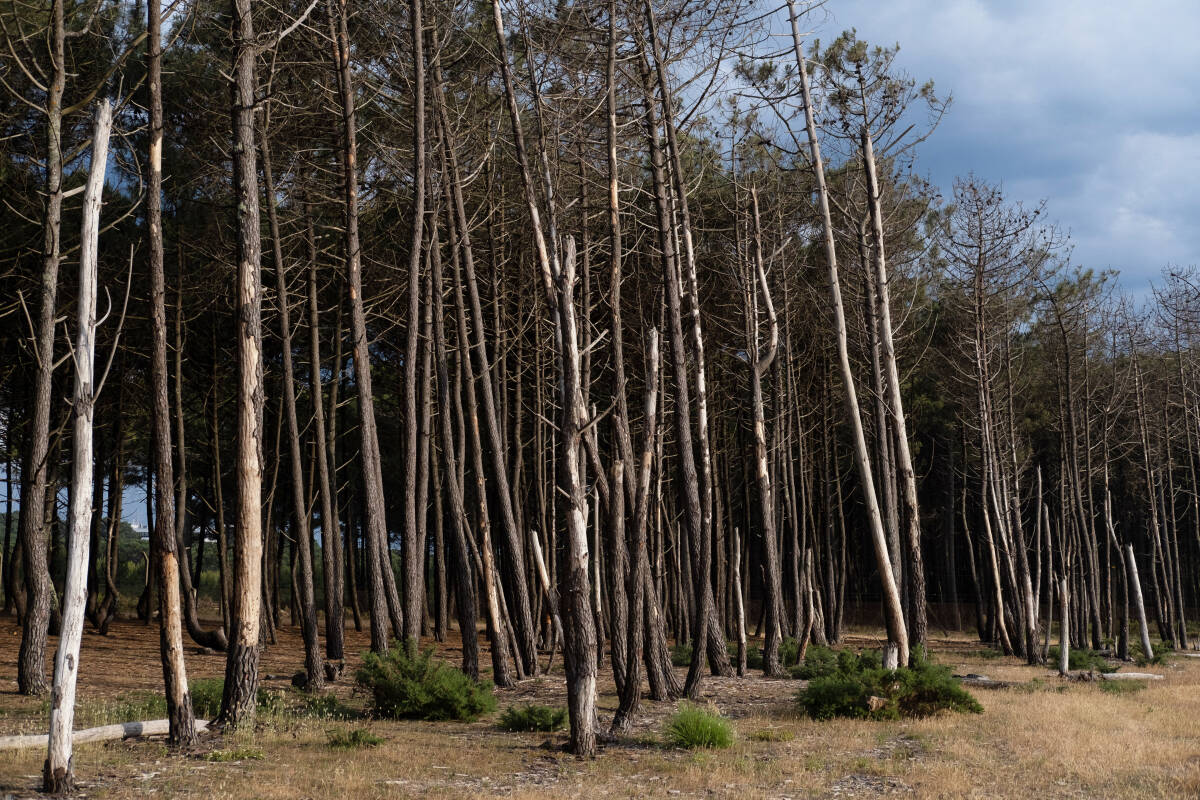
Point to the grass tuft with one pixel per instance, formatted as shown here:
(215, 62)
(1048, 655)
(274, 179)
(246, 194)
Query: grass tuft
(692, 727)
(236, 754)
(353, 739)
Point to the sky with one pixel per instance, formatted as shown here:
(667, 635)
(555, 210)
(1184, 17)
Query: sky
(1091, 105)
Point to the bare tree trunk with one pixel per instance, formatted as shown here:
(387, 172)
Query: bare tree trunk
(164, 542)
(331, 540)
(301, 533)
(579, 629)
(1064, 637)
(241, 663)
(31, 658)
(58, 775)
(908, 478)
(893, 615)
(1131, 573)
(376, 545)
(414, 557)
(760, 362)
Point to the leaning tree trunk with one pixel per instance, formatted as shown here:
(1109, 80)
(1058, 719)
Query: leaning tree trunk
(241, 663)
(904, 461)
(1131, 573)
(893, 615)
(57, 775)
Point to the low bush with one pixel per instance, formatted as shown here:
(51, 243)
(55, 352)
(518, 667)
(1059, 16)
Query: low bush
(404, 686)
(353, 739)
(860, 689)
(533, 718)
(681, 654)
(1086, 660)
(1139, 655)
(692, 727)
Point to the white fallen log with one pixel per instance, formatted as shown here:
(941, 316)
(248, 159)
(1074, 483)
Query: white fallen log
(121, 730)
(1129, 676)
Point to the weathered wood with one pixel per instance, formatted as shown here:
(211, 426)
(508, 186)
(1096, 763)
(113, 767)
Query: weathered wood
(57, 776)
(104, 733)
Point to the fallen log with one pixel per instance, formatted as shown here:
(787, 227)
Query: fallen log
(121, 730)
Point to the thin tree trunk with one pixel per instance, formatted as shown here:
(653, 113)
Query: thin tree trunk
(301, 532)
(241, 664)
(897, 633)
(31, 657)
(58, 775)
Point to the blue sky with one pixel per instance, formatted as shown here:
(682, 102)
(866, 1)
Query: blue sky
(1092, 106)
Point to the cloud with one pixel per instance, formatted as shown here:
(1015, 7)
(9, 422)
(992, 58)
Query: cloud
(1091, 106)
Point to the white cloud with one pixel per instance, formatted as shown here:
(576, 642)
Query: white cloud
(1094, 106)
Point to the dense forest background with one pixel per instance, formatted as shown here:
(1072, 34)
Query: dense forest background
(604, 322)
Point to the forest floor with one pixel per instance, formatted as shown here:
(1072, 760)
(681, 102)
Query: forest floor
(1046, 738)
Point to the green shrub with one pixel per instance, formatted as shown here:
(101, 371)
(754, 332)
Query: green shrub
(860, 689)
(533, 718)
(1139, 655)
(692, 727)
(1086, 660)
(681, 654)
(819, 662)
(353, 739)
(418, 687)
(789, 651)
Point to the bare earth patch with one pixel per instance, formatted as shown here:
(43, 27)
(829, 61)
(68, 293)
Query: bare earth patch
(1044, 738)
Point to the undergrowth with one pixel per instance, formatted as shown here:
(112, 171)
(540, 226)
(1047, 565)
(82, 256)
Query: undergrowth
(694, 727)
(353, 739)
(860, 689)
(416, 686)
(533, 718)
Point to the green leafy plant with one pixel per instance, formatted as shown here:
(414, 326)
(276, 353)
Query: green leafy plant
(1086, 660)
(416, 686)
(353, 739)
(533, 718)
(692, 727)
(859, 688)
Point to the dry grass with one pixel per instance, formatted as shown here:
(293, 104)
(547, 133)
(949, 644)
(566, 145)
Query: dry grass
(1051, 740)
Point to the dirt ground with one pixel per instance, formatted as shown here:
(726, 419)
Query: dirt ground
(1043, 739)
